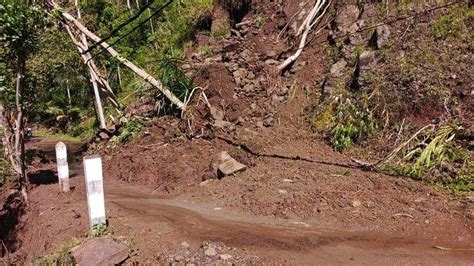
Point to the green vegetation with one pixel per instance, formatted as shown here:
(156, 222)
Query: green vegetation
(446, 25)
(55, 66)
(221, 32)
(434, 152)
(130, 129)
(99, 230)
(60, 256)
(206, 50)
(351, 124)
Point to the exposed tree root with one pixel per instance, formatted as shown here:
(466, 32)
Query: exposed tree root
(311, 20)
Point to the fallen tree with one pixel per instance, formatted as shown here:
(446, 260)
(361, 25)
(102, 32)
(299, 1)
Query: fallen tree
(71, 21)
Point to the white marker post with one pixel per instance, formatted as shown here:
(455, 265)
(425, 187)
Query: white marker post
(63, 168)
(95, 189)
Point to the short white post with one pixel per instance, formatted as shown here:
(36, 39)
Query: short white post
(63, 168)
(95, 189)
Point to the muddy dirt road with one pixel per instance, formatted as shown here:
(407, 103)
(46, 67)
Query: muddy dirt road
(165, 229)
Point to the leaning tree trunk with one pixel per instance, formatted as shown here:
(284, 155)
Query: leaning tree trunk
(87, 58)
(140, 72)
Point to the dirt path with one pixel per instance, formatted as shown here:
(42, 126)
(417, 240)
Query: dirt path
(302, 242)
(166, 229)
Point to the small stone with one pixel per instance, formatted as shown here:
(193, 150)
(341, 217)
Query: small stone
(356, 203)
(382, 33)
(222, 124)
(249, 87)
(178, 258)
(277, 99)
(268, 122)
(225, 256)
(210, 252)
(327, 90)
(282, 191)
(287, 180)
(217, 114)
(103, 136)
(271, 62)
(365, 59)
(185, 244)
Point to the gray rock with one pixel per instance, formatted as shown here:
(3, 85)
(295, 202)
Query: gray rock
(100, 251)
(268, 122)
(347, 17)
(225, 256)
(338, 67)
(381, 35)
(328, 89)
(217, 114)
(210, 252)
(249, 87)
(223, 156)
(178, 258)
(222, 124)
(103, 136)
(230, 167)
(365, 59)
(271, 62)
(277, 99)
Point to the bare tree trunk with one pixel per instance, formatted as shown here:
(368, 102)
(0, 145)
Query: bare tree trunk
(98, 102)
(151, 22)
(129, 6)
(12, 126)
(68, 92)
(140, 72)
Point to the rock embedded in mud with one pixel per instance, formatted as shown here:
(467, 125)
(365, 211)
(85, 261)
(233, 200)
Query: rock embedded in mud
(210, 252)
(100, 251)
(229, 167)
(217, 114)
(365, 59)
(356, 203)
(347, 17)
(223, 124)
(225, 256)
(338, 67)
(380, 37)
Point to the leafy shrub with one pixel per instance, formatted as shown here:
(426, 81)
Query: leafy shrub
(351, 124)
(130, 129)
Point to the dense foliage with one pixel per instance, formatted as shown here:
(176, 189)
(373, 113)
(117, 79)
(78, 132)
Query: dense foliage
(55, 67)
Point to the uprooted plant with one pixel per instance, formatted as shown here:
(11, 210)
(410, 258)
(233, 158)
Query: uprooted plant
(432, 150)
